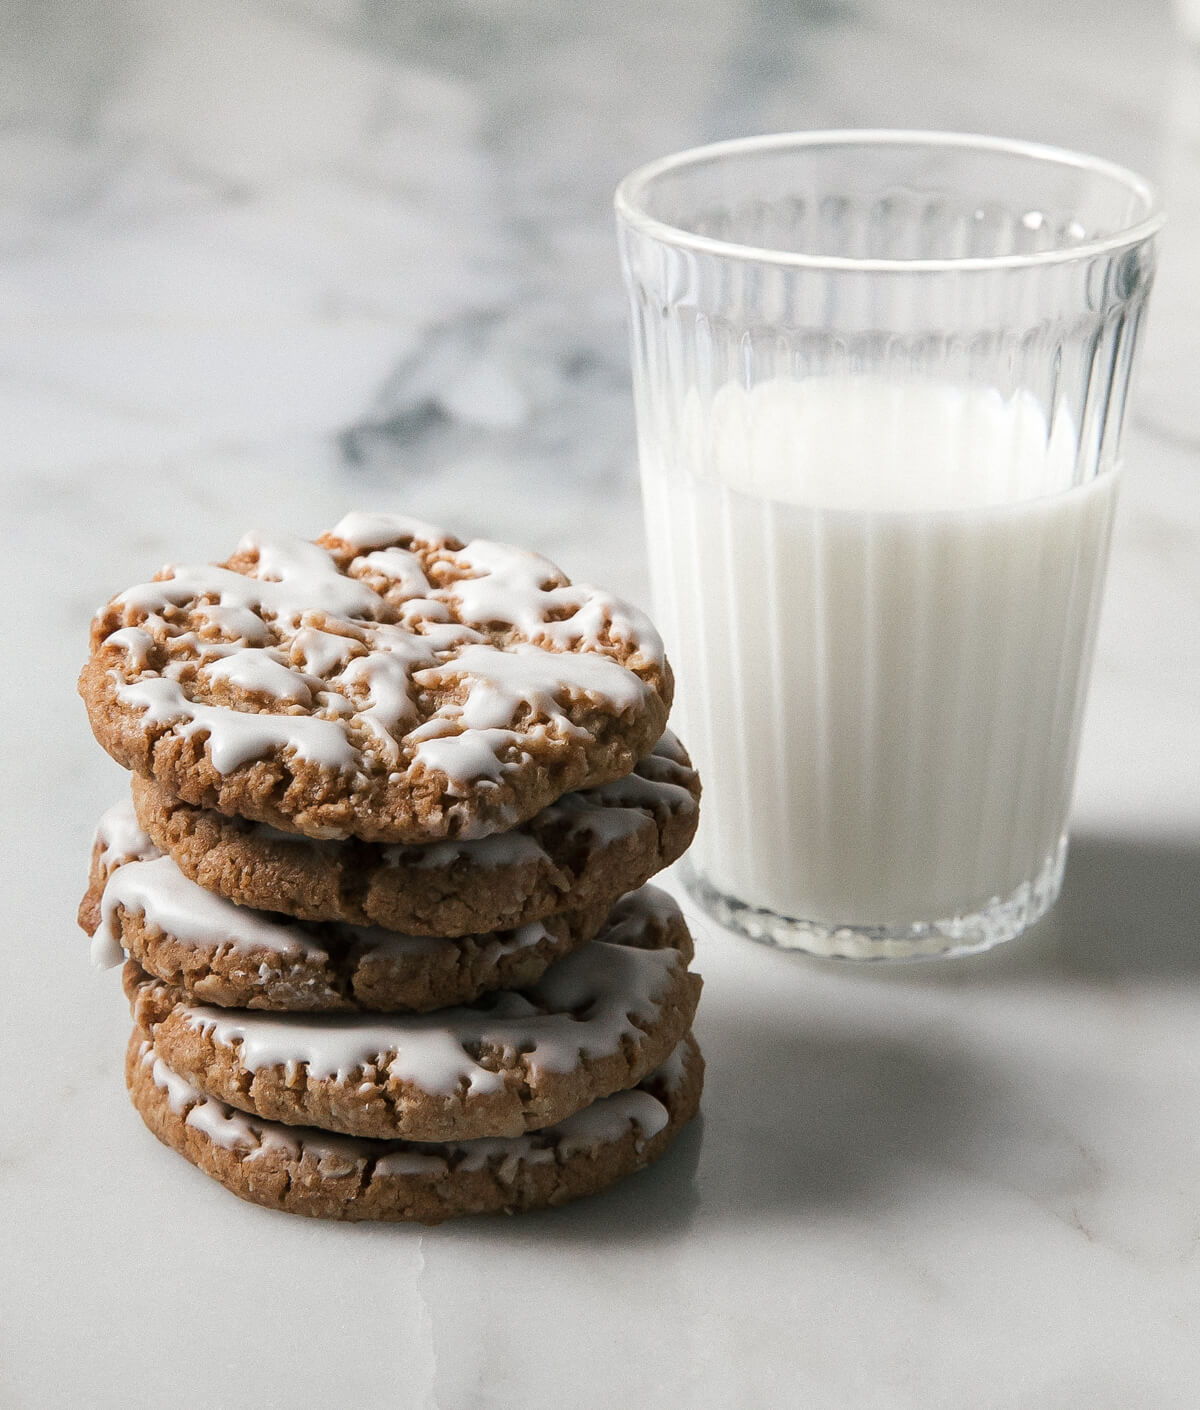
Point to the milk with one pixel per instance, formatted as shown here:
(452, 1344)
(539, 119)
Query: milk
(880, 601)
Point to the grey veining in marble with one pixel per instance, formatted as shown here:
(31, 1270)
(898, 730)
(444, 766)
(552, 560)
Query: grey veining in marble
(265, 260)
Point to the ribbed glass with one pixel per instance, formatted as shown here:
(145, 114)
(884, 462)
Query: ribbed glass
(880, 382)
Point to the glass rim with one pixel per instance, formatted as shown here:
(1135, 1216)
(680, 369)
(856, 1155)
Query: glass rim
(630, 208)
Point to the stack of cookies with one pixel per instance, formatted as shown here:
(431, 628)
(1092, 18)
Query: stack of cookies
(380, 886)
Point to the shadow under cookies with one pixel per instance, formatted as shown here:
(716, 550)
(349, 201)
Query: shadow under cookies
(817, 1112)
(798, 1123)
(806, 1119)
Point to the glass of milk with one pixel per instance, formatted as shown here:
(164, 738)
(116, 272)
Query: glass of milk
(880, 382)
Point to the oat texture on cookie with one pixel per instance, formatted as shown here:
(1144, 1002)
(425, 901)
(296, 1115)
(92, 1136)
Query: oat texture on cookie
(585, 849)
(379, 892)
(139, 904)
(304, 1170)
(596, 1022)
(386, 682)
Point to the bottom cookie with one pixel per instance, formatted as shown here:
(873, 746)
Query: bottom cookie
(306, 1171)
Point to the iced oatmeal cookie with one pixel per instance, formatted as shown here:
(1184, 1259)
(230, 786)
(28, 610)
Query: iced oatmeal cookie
(306, 1171)
(139, 904)
(387, 682)
(596, 1022)
(585, 849)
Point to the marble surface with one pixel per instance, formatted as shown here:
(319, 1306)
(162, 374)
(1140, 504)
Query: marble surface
(262, 262)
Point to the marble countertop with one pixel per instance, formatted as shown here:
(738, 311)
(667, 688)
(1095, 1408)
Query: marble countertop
(266, 260)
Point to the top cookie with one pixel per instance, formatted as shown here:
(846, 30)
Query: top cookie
(386, 682)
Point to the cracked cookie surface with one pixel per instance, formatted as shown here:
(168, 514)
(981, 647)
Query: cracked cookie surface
(386, 682)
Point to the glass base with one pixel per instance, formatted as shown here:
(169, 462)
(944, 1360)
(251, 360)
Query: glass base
(1000, 920)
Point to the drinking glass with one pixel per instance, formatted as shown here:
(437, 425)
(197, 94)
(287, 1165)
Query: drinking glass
(880, 381)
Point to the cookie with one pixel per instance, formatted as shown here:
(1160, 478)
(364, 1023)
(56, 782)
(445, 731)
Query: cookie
(386, 682)
(306, 1171)
(586, 849)
(596, 1022)
(140, 904)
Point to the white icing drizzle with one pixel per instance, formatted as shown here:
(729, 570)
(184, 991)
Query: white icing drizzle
(522, 589)
(178, 1089)
(584, 1005)
(368, 531)
(231, 1129)
(604, 1122)
(259, 629)
(105, 952)
(644, 790)
(236, 737)
(636, 911)
(605, 826)
(264, 670)
(608, 813)
(467, 759)
(284, 600)
(410, 1159)
(120, 838)
(307, 578)
(142, 881)
(525, 675)
(400, 570)
(234, 622)
(671, 1074)
(512, 586)
(135, 643)
(501, 684)
(324, 653)
(387, 675)
(171, 904)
